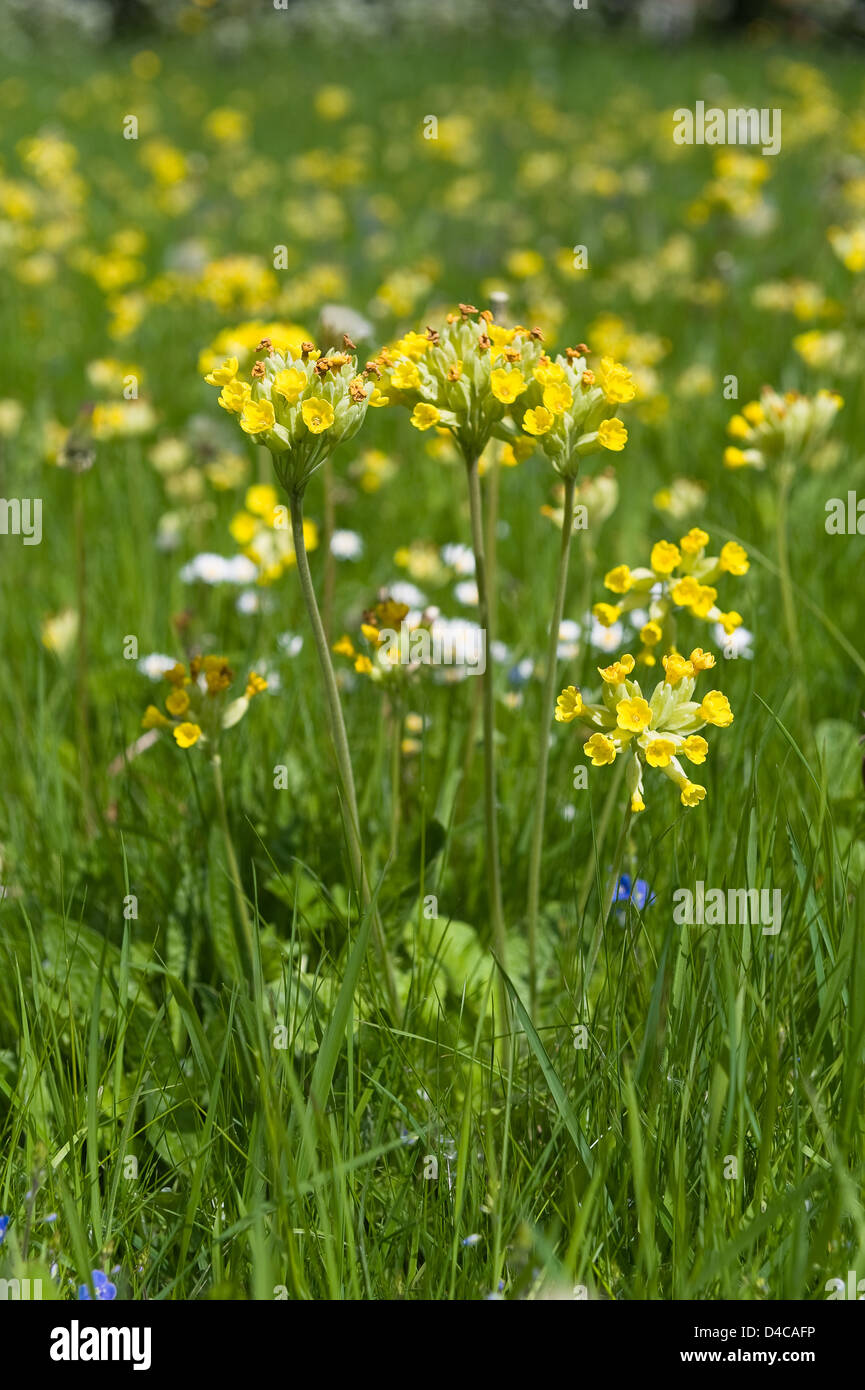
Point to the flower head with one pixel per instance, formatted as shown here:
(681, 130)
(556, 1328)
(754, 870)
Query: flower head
(658, 732)
(299, 403)
(780, 428)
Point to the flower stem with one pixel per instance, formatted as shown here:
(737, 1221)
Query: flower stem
(339, 739)
(544, 739)
(788, 601)
(494, 886)
(85, 761)
(233, 867)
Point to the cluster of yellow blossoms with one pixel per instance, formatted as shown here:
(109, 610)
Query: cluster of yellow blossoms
(656, 732)
(779, 427)
(299, 405)
(679, 576)
(197, 702)
(479, 380)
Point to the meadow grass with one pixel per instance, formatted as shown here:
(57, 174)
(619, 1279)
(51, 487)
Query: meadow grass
(293, 1163)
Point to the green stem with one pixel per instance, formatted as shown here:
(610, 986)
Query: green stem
(544, 740)
(395, 776)
(233, 867)
(494, 886)
(781, 529)
(327, 539)
(339, 740)
(82, 675)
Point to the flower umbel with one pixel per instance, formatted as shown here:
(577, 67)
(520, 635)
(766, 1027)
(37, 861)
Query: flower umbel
(657, 732)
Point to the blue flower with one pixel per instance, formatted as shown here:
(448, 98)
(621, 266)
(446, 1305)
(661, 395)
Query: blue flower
(4, 1227)
(102, 1285)
(637, 892)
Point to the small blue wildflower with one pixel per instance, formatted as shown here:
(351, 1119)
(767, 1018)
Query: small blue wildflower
(4, 1227)
(636, 891)
(102, 1285)
(472, 1240)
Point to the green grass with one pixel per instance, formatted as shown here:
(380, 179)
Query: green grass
(300, 1168)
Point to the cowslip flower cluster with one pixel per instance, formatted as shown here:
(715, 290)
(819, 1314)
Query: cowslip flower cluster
(657, 732)
(567, 407)
(679, 576)
(478, 379)
(298, 405)
(197, 705)
(387, 615)
(464, 378)
(779, 427)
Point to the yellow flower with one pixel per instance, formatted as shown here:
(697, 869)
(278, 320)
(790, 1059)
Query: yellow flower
(651, 634)
(734, 458)
(363, 666)
(243, 527)
(700, 660)
(558, 397)
(738, 427)
(257, 417)
(676, 668)
(754, 413)
(692, 794)
(538, 421)
(715, 709)
(413, 345)
(569, 705)
(704, 602)
(665, 557)
(177, 703)
(734, 559)
(154, 719)
(377, 399)
(177, 675)
(659, 751)
(606, 614)
(424, 416)
(344, 647)
(600, 749)
(695, 748)
(261, 499)
(612, 435)
(405, 376)
(317, 415)
(685, 591)
(187, 734)
(616, 382)
(549, 373)
(634, 714)
(221, 376)
(506, 384)
(255, 684)
(730, 621)
(289, 383)
(234, 396)
(695, 541)
(615, 674)
(618, 580)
